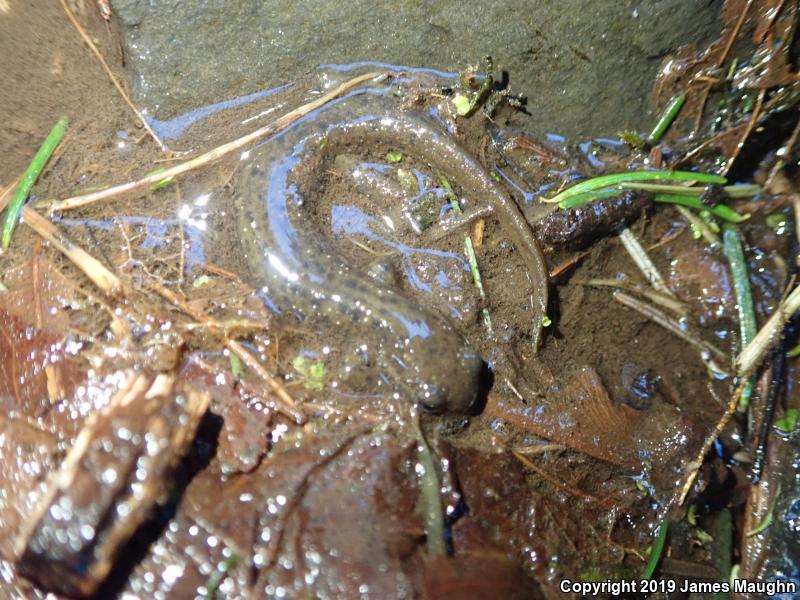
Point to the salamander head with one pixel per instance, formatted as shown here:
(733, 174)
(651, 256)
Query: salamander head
(443, 375)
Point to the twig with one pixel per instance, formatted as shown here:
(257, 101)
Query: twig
(718, 428)
(557, 483)
(642, 260)
(784, 153)
(111, 75)
(216, 153)
(734, 32)
(538, 449)
(769, 335)
(700, 225)
(720, 61)
(92, 268)
(747, 131)
(284, 401)
(664, 300)
(670, 324)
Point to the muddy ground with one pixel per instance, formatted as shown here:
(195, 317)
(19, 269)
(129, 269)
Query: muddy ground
(573, 461)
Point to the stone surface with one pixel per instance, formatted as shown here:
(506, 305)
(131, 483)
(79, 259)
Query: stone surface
(586, 67)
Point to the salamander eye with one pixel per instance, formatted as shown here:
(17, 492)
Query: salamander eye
(431, 398)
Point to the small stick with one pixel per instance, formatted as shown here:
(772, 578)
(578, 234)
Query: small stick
(284, 401)
(557, 483)
(698, 461)
(670, 324)
(93, 268)
(669, 302)
(769, 335)
(784, 153)
(642, 260)
(216, 153)
(111, 75)
(5, 195)
(734, 32)
(556, 271)
(747, 131)
(700, 225)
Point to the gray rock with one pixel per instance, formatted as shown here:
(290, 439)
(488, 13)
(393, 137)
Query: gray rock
(585, 66)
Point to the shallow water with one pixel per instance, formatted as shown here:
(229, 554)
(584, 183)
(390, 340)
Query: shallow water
(618, 406)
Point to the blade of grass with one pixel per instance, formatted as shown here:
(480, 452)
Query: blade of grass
(469, 249)
(726, 213)
(614, 179)
(732, 191)
(666, 119)
(30, 176)
(767, 520)
(656, 550)
(584, 197)
(744, 299)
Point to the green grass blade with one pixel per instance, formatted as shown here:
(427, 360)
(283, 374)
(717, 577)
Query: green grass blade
(29, 178)
(672, 110)
(724, 212)
(614, 179)
(748, 326)
(657, 550)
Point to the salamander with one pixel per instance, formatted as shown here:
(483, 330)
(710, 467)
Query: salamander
(300, 276)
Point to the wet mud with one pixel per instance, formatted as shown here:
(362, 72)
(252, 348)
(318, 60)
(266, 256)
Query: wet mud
(564, 468)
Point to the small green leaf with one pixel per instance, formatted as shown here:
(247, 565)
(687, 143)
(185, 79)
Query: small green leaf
(794, 352)
(702, 535)
(312, 373)
(777, 221)
(300, 364)
(546, 321)
(407, 180)
(201, 281)
(161, 183)
(462, 104)
(323, 142)
(236, 367)
(632, 138)
(394, 157)
(495, 176)
(788, 421)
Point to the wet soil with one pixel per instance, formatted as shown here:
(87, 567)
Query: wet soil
(566, 472)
